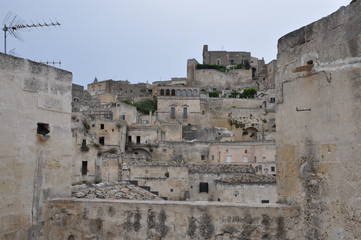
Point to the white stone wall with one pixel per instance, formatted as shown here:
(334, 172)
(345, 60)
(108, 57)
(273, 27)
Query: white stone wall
(318, 125)
(33, 168)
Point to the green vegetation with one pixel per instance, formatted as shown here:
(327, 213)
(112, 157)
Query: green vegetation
(86, 124)
(214, 93)
(118, 125)
(244, 65)
(84, 148)
(248, 93)
(112, 151)
(145, 106)
(212, 66)
(234, 94)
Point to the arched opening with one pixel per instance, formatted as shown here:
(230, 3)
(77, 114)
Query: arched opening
(250, 133)
(172, 93)
(142, 152)
(167, 92)
(162, 92)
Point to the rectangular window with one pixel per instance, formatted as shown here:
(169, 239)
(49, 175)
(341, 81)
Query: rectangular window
(203, 187)
(264, 201)
(232, 61)
(172, 112)
(212, 157)
(273, 169)
(138, 139)
(245, 159)
(185, 112)
(229, 159)
(84, 168)
(203, 157)
(101, 140)
(129, 139)
(272, 100)
(101, 126)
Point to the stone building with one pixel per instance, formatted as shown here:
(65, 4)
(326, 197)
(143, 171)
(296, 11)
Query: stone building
(225, 58)
(318, 125)
(120, 90)
(35, 144)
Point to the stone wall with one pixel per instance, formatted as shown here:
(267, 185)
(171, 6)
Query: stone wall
(35, 143)
(318, 125)
(117, 219)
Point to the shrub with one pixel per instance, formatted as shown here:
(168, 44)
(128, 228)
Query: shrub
(86, 124)
(145, 106)
(212, 66)
(248, 93)
(118, 125)
(214, 93)
(234, 94)
(112, 151)
(84, 148)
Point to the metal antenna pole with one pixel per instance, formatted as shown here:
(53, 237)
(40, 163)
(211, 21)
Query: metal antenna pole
(5, 30)
(12, 23)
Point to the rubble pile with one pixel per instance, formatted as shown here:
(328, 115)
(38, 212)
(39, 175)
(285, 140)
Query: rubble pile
(248, 179)
(220, 168)
(112, 190)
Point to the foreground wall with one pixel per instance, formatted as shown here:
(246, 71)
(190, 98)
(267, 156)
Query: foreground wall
(33, 167)
(139, 220)
(318, 125)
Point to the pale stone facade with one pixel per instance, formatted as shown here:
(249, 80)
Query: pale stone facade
(35, 144)
(318, 125)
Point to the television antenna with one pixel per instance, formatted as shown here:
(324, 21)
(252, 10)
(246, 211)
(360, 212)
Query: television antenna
(12, 23)
(51, 62)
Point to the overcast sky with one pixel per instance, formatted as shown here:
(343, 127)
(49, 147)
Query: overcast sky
(151, 40)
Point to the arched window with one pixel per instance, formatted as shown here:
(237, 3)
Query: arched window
(189, 93)
(167, 92)
(178, 92)
(218, 62)
(172, 93)
(184, 93)
(195, 93)
(162, 92)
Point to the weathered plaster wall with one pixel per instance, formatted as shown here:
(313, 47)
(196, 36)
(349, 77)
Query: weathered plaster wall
(318, 125)
(117, 219)
(33, 169)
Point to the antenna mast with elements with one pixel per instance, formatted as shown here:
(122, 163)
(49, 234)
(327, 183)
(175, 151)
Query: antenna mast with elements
(12, 23)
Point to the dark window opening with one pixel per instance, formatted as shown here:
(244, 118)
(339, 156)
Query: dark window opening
(162, 92)
(172, 93)
(219, 199)
(265, 201)
(129, 139)
(203, 157)
(272, 100)
(273, 169)
(138, 139)
(84, 168)
(185, 112)
(171, 190)
(245, 151)
(172, 112)
(84, 142)
(101, 126)
(203, 187)
(101, 140)
(167, 92)
(310, 62)
(43, 129)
